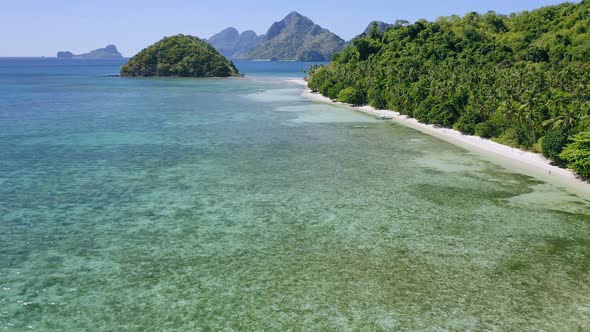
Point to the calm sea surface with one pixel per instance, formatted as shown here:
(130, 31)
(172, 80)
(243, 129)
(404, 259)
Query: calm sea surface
(237, 204)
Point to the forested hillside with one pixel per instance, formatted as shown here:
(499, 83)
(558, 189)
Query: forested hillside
(522, 80)
(179, 56)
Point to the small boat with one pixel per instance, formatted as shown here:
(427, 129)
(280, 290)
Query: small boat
(385, 117)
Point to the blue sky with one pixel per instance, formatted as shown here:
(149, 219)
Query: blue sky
(43, 27)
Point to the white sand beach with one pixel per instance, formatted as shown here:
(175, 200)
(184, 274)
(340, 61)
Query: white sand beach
(517, 160)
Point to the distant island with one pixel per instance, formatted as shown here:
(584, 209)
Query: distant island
(296, 37)
(234, 45)
(180, 56)
(109, 52)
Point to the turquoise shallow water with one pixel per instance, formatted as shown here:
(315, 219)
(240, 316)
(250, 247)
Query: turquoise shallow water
(181, 204)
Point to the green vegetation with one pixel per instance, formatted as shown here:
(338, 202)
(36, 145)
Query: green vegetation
(180, 56)
(514, 79)
(553, 143)
(351, 96)
(577, 154)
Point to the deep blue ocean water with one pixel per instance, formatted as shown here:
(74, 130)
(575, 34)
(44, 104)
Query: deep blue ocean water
(237, 204)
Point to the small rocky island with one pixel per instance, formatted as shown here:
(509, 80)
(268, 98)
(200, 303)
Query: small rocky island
(180, 56)
(109, 52)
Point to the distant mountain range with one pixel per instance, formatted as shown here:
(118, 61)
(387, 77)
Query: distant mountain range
(109, 52)
(234, 45)
(296, 37)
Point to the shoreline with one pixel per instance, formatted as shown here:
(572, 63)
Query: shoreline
(524, 162)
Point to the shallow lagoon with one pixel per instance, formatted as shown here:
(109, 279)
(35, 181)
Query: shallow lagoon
(158, 204)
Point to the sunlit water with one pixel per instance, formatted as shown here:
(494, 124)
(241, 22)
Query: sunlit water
(236, 204)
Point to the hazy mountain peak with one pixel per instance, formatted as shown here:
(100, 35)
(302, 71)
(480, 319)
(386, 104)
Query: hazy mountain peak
(296, 37)
(225, 35)
(230, 30)
(295, 16)
(380, 24)
(234, 45)
(249, 34)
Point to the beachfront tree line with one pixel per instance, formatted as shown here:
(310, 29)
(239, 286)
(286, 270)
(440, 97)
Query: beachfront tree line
(522, 80)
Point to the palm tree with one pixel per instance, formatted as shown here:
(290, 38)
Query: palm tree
(568, 118)
(585, 117)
